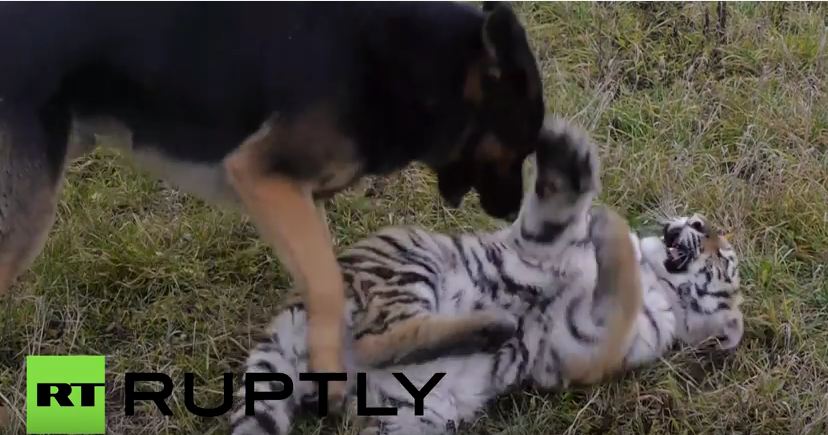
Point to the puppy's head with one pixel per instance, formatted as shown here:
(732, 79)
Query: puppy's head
(505, 90)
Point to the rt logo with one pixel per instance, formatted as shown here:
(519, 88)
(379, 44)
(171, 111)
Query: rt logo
(65, 394)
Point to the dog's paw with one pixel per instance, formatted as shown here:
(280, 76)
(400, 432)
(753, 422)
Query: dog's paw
(336, 398)
(369, 425)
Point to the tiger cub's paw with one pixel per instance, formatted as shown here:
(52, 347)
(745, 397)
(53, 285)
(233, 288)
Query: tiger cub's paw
(567, 161)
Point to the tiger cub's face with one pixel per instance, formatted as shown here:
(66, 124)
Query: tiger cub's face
(702, 269)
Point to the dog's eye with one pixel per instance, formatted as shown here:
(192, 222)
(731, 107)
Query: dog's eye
(697, 226)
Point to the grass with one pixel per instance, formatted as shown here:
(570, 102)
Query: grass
(698, 109)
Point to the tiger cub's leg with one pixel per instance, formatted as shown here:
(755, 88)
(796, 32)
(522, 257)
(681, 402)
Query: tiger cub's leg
(617, 299)
(568, 178)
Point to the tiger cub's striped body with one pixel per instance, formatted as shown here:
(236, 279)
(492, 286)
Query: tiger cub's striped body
(566, 293)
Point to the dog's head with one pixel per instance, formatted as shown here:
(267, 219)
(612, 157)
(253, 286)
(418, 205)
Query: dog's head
(505, 90)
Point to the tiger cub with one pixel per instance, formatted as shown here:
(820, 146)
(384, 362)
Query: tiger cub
(565, 294)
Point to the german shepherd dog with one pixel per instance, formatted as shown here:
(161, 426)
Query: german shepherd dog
(268, 106)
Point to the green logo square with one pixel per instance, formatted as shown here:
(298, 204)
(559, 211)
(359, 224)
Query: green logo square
(65, 394)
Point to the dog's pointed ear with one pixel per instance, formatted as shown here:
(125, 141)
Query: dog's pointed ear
(489, 6)
(510, 57)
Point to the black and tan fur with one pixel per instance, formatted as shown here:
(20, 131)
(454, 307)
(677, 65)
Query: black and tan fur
(269, 106)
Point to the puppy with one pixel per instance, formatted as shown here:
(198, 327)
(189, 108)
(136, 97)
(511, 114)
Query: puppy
(266, 106)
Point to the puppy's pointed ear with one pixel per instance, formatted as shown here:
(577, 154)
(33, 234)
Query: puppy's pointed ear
(489, 6)
(510, 57)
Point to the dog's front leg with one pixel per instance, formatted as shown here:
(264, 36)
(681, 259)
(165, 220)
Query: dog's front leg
(286, 217)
